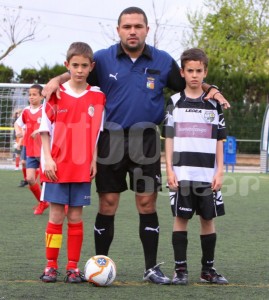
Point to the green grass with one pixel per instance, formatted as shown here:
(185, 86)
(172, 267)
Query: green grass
(241, 253)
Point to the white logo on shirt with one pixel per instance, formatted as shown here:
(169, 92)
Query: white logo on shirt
(222, 123)
(113, 76)
(209, 116)
(91, 110)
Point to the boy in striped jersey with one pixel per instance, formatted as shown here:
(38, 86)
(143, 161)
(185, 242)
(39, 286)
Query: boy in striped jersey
(194, 130)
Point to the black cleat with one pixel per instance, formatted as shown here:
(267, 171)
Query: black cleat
(180, 277)
(49, 275)
(23, 183)
(155, 275)
(211, 276)
(74, 276)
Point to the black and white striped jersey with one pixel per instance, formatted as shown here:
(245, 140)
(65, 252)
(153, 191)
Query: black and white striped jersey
(195, 126)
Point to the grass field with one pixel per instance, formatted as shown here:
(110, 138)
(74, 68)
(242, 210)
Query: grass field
(241, 253)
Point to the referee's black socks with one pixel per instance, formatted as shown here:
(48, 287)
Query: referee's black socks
(103, 233)
(149, 236)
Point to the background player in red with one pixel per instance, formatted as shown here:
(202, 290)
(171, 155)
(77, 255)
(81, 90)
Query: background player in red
(194, 131)
(17, 140)
(20, 151)
(23, 182)
(30, 119)
(69, 130)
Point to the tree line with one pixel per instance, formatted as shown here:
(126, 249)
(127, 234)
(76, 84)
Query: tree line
(235, 36)
(30, 75)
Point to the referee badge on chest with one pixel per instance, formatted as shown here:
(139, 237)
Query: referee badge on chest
(150, 83)
(91, 110)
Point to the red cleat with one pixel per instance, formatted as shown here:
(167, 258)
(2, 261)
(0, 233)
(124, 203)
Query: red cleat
(41, 207)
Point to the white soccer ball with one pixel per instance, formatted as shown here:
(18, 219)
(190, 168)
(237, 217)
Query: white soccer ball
(100, 270)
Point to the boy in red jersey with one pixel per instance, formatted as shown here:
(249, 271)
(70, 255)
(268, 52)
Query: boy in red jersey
(30, 120)
(23, 182)
(17, 140)
(69, 131)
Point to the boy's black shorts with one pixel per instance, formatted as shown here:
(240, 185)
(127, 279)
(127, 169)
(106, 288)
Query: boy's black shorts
(202, 200)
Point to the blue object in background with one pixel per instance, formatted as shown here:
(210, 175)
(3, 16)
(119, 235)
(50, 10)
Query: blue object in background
(230, 152)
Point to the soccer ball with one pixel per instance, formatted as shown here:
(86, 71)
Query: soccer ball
(100, 270)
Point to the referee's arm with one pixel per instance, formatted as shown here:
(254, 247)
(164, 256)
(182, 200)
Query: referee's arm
(174, 81)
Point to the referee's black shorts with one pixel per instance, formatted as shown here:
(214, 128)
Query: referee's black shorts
(133, 152)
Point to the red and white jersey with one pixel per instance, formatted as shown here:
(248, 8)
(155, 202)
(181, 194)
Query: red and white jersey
(74, 123)
(30, 120)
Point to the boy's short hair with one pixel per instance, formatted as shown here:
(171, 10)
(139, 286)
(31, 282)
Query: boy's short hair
(37, 87)
(79, 48)
(133, 10)
(195, 54)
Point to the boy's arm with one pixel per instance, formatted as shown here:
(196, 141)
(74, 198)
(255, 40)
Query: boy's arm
(34, 133)
(93, 170)
(171, 176)
(50, 167)
(19, 143)
(218, 178)
(18, 127)
(18, 130)
(53, 86)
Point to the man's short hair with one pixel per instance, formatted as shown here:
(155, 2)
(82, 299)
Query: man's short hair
(133, 10)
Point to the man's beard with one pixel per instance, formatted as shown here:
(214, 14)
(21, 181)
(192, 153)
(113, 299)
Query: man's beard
(133, 48)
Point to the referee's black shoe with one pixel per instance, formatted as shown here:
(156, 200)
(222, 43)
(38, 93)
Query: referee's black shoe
(155, 275)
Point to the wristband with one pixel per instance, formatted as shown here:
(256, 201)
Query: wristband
(218, 92)
(212, 87)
